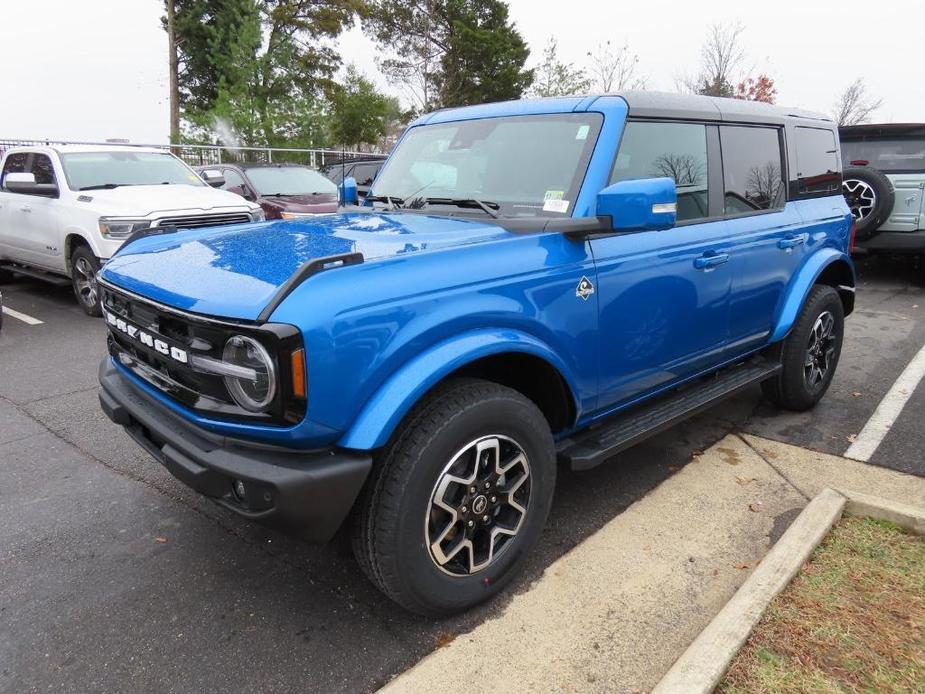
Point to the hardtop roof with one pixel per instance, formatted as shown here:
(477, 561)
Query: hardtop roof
(642, 104)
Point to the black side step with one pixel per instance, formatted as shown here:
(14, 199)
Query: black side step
(592, 447)
(50, 277)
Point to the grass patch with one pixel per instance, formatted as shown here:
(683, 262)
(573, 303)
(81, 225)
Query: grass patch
(853, 620)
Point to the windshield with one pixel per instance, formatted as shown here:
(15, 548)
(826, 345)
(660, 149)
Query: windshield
(120, 168)
(907, 154)
(528, 165)
(290, 180)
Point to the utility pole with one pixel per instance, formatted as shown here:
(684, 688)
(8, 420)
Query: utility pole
(174, 86)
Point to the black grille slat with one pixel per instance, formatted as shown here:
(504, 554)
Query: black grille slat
(194, 221)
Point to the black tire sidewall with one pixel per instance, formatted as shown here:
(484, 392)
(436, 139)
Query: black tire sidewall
(797, 394)
(432, 590)
(883, 188)
(85, 252)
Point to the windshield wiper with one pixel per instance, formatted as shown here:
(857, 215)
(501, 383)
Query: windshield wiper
(488, 207)
(105, 186)
(391, 200)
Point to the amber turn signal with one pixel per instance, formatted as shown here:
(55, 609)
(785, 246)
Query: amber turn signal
(298, 373)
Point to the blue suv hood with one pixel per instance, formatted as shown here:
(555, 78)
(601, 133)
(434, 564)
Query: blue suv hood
(234, 271)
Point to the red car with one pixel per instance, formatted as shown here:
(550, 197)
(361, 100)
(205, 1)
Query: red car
(284, 191)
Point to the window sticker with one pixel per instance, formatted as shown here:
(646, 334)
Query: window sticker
(555, 205)
(554, 195)
(582, 133)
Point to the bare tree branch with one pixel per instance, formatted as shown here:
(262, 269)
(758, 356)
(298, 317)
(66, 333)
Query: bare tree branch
(614, 69)
(721, 58)
(855, 105)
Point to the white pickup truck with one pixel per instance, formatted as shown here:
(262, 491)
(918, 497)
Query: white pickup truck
(64, 210)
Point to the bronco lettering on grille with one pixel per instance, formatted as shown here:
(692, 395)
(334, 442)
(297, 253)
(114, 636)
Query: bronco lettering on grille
(147, 339)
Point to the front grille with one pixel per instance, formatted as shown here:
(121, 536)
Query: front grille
(193, 335)
(204, 220)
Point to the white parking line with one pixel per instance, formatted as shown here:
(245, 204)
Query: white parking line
(24, 317)
(888, 410)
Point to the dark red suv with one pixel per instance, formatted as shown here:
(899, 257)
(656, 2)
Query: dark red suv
(284, 191)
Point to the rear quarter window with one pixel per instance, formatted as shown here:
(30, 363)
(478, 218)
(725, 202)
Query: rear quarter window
(818, 172)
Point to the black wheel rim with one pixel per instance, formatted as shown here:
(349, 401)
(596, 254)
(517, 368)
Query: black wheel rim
(85, 282)
(860, 196)
(478, 505)
(820, 351)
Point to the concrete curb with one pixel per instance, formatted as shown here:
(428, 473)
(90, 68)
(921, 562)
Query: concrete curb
(905, 516)
(702, 666)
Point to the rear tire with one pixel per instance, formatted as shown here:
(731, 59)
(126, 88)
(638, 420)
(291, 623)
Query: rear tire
(438, 529)
(809, 354)
(84, 266)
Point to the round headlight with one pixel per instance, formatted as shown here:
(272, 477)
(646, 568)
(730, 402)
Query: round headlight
(254, 395)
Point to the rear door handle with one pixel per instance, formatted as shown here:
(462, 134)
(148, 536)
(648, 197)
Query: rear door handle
(791, 241)
(708, 262)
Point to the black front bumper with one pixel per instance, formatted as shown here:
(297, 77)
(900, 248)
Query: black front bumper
(307, 493)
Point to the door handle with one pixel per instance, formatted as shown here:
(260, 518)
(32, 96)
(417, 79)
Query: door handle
(791, 241)
(26, 208)
(708, 262)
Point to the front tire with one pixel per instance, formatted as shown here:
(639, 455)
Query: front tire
(84, 266)
(809, 354)
(458, 498)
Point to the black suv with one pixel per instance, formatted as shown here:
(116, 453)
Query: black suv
(364, 169)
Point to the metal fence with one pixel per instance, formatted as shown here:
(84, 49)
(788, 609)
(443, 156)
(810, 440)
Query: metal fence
(205, 155)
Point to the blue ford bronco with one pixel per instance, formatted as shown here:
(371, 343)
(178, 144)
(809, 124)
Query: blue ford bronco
(526, 283)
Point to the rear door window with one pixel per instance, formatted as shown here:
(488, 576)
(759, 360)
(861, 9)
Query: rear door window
(817, 161)
(42, 169)
(15, 163)
(752, 170)
(675, 150)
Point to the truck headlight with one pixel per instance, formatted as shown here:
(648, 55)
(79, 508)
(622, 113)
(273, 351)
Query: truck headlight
(253, 394)
(115, 228)
(258, 215)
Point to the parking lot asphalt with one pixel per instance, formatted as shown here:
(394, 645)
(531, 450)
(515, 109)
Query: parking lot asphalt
(113, 575)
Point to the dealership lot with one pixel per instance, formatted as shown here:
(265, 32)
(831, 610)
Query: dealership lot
(111, 571)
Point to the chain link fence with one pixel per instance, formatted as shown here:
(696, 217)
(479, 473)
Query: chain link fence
(205, 155)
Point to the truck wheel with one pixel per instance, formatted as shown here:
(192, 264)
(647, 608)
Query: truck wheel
(809, 355)
(84, 267)
(869, 194)
(457, 499)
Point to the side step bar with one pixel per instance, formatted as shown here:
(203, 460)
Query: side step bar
(592, 447)
(50, 277)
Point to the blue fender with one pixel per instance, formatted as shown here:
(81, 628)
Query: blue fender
(386, 408)
(799, 288)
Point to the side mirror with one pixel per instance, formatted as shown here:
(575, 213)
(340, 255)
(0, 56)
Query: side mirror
(348, 191)
(645, 204)
(25, 184)
(213, 178)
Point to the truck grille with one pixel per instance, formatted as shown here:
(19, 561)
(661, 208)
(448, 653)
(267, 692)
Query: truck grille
(155, 342)
(204, 220)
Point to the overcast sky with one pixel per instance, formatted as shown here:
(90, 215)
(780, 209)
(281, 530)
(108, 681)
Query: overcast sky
(94, 69)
